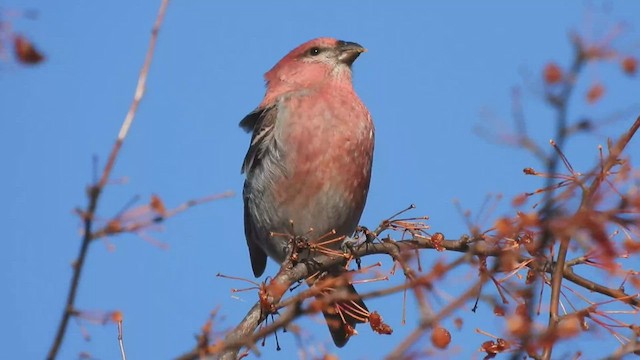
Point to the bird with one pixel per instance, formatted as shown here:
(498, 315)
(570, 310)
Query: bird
(308, 166)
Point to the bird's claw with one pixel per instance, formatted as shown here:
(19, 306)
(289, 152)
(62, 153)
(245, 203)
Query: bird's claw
(349, 243)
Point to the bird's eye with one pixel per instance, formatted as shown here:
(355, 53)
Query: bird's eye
(315, 51)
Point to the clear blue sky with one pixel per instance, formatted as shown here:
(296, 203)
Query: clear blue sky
(430, 71)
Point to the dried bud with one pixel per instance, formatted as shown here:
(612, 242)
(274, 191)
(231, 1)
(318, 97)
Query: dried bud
(629, 65)
(552, 73)
(631, 246)
(378, 325)
(440, 338)
(519, 200)
(113, 226)
(504, 226)
(495, 347)
(25, 52)
(436, 240)
(116, 316)
(157, 205)
(595, 93)
(503, 344)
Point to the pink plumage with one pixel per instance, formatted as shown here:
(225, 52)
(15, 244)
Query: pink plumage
(309, 162)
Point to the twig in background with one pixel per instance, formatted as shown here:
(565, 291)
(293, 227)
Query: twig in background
(94, 191)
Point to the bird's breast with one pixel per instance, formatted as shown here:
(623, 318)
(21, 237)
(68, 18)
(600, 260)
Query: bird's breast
(327, 148)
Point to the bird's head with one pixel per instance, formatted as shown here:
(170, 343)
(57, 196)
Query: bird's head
(312, 64)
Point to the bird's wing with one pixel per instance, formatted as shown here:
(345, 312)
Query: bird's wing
(261, 122)
(256, 254)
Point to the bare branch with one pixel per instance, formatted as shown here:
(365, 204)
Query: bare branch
(95, 190)
(245, 335)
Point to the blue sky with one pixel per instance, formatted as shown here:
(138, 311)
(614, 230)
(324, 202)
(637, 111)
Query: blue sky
(430, 72)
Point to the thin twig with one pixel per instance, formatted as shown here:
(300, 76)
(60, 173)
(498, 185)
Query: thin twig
(123, 354)
(631, 347)
(556, 288)
(95, 190)
(610, 161)
(548, 210)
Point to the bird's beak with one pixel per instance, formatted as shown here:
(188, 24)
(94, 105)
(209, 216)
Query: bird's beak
(348, 51)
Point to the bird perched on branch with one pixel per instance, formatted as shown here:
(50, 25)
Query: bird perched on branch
(309, 163)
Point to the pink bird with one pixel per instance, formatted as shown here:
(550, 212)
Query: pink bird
(309, 163)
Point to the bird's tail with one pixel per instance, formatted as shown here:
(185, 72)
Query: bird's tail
(342, 316)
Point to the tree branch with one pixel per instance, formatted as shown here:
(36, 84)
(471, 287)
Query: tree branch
(95, 190)
(245, 335)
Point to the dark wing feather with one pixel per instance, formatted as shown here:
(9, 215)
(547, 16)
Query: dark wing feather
(261, 122)
(256, 254)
